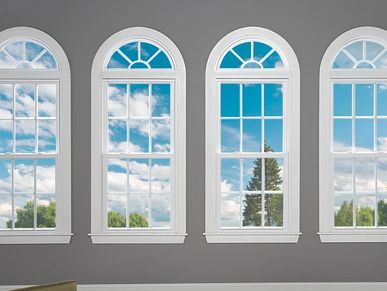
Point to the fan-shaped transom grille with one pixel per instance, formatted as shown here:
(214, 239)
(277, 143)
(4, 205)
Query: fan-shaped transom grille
(26, 54)
(251, 55)
(139, 55)
(361, 54)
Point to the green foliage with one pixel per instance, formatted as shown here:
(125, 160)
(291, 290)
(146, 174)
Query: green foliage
(273, 203)
(365, 216)
(116, 219)
(344, 217)
(382, 213)
(25, 216)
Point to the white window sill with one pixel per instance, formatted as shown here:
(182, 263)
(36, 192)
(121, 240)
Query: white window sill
(137, 238)
(34, 237)
(361, 236)
(284, 237)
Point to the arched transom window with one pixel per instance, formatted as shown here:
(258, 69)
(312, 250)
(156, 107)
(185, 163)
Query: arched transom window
(35, 184)
(142, 100)
(252, 139)
(353, 137)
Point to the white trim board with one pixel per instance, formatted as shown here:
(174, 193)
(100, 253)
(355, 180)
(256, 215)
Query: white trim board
(315, 286)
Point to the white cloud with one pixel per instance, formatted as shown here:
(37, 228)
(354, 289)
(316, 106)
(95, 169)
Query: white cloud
(117, 103)
(225, 186)
(139, 105)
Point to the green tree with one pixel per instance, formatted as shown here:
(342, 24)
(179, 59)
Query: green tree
(382, 213)
(116, 219)
(25, 216)
(365, 216)
(273, 202)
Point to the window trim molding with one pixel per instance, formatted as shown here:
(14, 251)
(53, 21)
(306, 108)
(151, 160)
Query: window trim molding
(291, 233)
(62, 234)
(327, 232)
(98, 74)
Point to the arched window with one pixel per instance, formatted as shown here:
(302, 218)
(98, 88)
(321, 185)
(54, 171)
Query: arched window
(138, 139)
(353, 135)
(252, 139)
(35, 139)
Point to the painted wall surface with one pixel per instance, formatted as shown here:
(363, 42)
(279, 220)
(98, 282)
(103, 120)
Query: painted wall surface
(81, 26)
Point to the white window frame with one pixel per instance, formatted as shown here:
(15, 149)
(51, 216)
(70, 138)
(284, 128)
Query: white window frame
(290, 232)
(327, 231)
(62, 233)
(99, 233)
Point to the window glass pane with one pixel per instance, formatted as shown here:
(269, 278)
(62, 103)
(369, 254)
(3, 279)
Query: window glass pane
(147, 50)
(373, 49)
(252, 100)
(342, 61)
(381, 107)
(342, 99)
(24, 175)
(230, 100)
(24, 211)
(46, 211)
(252, 210)
(45, 176)
(261, 50)
(5, 176)
(117, 61)
(342, 135)
(252, 135)
(230, 175)
(160, 61)
(139, 100)
(6, 134)
(138, 206)
(343, 180)
(230, 61)
(46, 61)
(130, 50)
(161, 211)
(161, 100)
(46, 100)
(364, 94)
(6, 101)
(344, 210)
(273, 61)
(117, 136)
(382, 134)
(139, 135)
(274, 210)
(273, 174)
(25, 136)
(230, 210)
(382, 210)
(243, 50)
(47, 136)
(382, 175)
(139, 175)
(365, 210)
(32, 50)
(117, 175)
(273, 135)
(364, 135)
(381, 62)
(161, 176)
(117, 100)
(252, 174)
(161, 136)
(230, 135)
(6, 62)
(24, 100)
(5, 211)
(273, 99)
(356, 50)
(365, 176)
(116, 206)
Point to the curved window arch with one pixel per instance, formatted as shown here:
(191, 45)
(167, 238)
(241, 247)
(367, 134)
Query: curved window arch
(252, 139)
(353, 126)
(138, 139)
(35, 139)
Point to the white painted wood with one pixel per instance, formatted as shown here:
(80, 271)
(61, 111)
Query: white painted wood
(315, 286)
(62, 233)
(290, 76)
(327, 231)
(176, 75)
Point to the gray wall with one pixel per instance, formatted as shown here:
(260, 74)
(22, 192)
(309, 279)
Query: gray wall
(195, 26)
